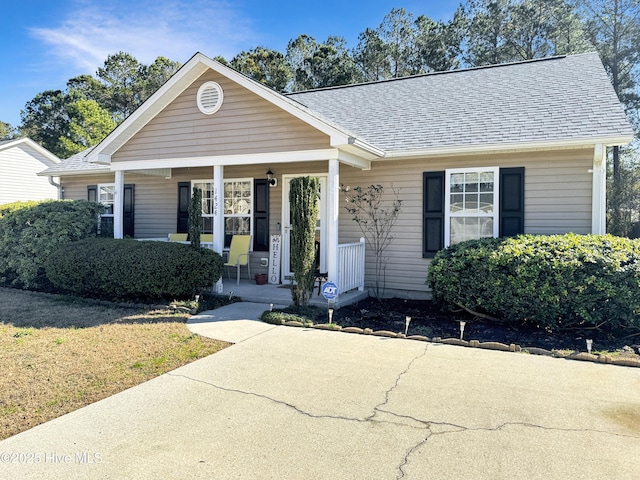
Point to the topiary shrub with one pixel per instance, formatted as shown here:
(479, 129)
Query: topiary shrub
(556, 282)
(120, 269)
(30, 231)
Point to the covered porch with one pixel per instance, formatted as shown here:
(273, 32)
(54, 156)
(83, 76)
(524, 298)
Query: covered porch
(266, 215)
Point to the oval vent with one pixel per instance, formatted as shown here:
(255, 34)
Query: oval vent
(209, 98)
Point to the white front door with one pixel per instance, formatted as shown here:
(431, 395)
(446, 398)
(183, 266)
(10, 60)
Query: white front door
(321, 225)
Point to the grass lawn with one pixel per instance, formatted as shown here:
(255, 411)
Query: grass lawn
(60, 353)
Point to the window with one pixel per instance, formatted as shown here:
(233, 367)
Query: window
(238, 201)
(206, 187)
(237, 206)
(106, 196)
(470, 203)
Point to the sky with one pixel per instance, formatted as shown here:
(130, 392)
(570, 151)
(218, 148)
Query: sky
(44, 43)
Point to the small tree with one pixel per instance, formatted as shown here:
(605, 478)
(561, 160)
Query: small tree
(195, 217)
(303, 198)
(376, 216)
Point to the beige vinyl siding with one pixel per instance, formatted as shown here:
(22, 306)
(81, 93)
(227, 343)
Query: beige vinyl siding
(19, 166)
(557, 200)
(245, 124)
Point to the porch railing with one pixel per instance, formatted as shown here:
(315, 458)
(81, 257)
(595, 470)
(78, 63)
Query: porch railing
(351, 266)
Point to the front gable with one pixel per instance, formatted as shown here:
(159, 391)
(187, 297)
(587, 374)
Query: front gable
(246, 123)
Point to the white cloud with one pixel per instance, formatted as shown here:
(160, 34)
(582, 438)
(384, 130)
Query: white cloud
(146, 29)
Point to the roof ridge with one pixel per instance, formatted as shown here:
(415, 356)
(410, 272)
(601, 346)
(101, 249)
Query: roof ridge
(444, 72)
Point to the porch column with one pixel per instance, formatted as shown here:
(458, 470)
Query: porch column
(118, 205)
(218, 215)
(333, 202)
(599, 190)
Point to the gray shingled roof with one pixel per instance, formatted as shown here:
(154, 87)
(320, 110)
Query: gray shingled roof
(75, 164)
(558, 99)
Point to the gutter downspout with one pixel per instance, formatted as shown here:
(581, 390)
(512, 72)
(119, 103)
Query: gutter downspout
(57, 185)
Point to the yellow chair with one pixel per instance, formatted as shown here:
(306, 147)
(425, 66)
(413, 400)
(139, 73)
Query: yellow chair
(178, 237)
(239, 254)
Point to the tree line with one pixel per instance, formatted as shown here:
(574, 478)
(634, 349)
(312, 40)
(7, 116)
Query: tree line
(480, 32)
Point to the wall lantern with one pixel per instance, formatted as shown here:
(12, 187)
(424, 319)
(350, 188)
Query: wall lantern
(272, 181)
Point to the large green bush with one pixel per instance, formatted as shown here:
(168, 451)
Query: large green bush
(30, 231)
(119, 269)
(555, 282)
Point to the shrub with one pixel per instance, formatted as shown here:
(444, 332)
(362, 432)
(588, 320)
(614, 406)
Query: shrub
(303, 198)
(117, 269)
(555, 282)
(30, 231)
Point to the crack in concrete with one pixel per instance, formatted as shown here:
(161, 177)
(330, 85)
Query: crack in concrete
(420, 424)
(462, 429)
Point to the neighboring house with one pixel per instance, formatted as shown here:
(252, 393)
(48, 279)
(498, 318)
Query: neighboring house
(21, 160)
(482, 152)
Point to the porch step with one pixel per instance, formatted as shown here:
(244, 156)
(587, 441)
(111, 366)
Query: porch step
(248, 291)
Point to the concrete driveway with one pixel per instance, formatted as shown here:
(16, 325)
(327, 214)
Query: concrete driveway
(293, 403)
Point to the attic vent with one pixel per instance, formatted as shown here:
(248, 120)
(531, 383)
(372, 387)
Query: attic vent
(209, 98)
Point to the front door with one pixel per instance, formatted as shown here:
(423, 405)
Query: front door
(321, 230)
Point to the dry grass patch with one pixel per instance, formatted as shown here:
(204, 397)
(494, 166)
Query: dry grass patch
(60, 353)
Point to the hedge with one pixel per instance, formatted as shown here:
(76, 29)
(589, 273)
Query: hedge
(121, 269)
(556, 282)
(30, 231)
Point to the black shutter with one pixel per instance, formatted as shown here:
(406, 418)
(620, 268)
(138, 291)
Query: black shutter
(433, 213)
(184, 196)
(92, 193)
(261, 215)
(511, 201)
(127, 211)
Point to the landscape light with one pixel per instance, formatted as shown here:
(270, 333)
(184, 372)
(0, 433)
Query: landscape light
(407, 321)
(462, 324)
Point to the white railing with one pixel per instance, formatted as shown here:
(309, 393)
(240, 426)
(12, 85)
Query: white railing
(351, 266)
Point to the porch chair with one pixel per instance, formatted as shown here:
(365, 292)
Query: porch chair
(178, 237)
(239, 254)
(206, 238)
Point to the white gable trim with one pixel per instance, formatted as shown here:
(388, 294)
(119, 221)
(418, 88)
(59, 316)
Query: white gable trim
(182, 79)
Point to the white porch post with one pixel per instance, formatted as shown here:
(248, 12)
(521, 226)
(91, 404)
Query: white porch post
(218, 215)
(599, 190)
(333, 202)
(118, 204)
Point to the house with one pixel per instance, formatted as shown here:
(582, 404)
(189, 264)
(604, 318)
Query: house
(21, 160)
(488, 151)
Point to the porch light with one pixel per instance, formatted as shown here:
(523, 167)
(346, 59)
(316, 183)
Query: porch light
(462, 324)
(272, 181)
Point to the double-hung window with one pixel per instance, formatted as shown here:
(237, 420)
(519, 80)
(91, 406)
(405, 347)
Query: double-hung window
(238, 208)
(106, 196)
(237, 198)
(206, 187)
(471, 204)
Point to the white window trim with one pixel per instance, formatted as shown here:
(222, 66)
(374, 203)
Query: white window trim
(229, 180)
(210, 182)
(447, 200)
(99, 187)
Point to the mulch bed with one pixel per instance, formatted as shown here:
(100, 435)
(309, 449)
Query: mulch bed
(429, 320)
